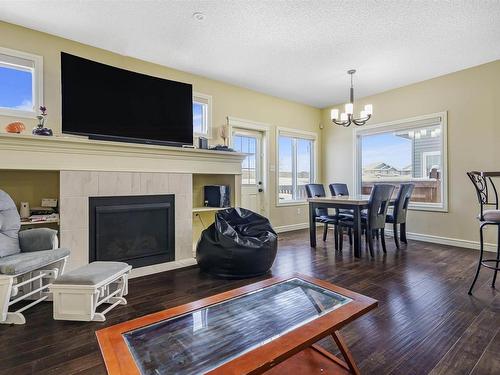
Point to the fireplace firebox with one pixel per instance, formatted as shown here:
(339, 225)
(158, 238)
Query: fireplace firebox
(139, 230)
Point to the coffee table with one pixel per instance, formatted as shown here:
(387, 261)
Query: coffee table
(269, 326)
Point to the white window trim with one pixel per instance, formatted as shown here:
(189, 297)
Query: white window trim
(402, 125)
(202, 98)
(37, 85)
(424, 158)
(298, 134)
(258, 152)
(265, 129)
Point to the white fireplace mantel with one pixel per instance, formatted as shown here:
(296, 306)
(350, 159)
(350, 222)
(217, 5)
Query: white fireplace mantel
(28, 152)
(102, 168)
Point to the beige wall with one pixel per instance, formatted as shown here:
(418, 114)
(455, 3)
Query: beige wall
(472, 99)
(228, 100)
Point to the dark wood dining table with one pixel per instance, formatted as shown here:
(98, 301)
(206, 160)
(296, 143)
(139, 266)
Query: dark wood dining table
(352, 202)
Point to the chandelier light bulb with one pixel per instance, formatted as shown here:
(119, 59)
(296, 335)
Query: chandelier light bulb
(334, 114)
(349, 108)
(343, 117)
(362, 114)
(369, 109)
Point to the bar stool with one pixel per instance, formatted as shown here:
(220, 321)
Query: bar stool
(486, 217)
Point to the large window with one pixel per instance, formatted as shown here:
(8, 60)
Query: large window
(296, 165)
(20, 83)
(412, 150)
(202, 115)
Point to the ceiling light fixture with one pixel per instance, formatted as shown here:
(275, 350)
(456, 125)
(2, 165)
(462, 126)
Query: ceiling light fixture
(347, 118)
(198, 16)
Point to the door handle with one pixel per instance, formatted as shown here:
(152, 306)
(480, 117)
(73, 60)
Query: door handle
(260, 190)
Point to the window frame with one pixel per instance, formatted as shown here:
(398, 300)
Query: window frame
(425, 154)
(36, 85)
(204, 99)
(302, 134)
(235, 132)
(406, 124)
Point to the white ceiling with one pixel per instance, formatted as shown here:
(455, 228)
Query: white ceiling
(298, 50)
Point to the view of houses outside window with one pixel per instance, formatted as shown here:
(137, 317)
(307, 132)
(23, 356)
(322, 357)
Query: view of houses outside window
(296, 166)
(404, 156)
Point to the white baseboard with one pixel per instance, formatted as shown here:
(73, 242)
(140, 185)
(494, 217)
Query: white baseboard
(290, 227)
(458, 242)
(162, 267)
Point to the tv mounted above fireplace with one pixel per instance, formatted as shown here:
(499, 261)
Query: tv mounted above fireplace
(107, 103)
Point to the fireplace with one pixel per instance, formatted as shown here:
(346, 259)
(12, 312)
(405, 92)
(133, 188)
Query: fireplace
(138, 230)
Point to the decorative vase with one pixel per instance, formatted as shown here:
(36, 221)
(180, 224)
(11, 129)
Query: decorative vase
(41, 130)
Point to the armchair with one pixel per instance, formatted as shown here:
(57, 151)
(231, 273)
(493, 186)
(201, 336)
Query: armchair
(30, 261)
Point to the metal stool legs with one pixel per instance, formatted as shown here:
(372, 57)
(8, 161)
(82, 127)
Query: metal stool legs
(498, 258)
(480, 262)
(483, 262)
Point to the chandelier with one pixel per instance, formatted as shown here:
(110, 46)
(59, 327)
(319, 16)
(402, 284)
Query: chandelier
(347, 118)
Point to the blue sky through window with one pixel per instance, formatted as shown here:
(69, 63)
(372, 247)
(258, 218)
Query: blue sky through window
(16, 89)
(197, 117)
(303, 154)
(387, 148)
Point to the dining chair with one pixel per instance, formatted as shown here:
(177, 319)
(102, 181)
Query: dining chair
(338, 189)
(318, 190)
(374, 218)
(398, 214)
(488, 197)
(341, 189)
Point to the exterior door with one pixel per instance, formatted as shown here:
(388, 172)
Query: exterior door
(250, 142)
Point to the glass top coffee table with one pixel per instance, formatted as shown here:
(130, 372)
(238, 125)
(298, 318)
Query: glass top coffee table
(267, 326)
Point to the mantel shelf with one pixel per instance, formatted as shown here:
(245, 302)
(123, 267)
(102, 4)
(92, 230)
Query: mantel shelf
(78, 153)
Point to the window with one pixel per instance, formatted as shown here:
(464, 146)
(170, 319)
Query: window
(202, 115)
(296, 165)
(411, 150)
(248, 145)
(20, 83)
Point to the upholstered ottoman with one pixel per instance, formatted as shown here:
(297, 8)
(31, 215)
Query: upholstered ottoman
(78, 293)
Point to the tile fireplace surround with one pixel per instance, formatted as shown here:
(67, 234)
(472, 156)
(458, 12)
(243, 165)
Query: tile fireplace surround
(102, 168)
(77, 186)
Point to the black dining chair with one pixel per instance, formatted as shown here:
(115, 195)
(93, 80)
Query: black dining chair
(341, 189)
(338, 189)
(317, 190)
(398, 214)
(488, 197)
(374, 219)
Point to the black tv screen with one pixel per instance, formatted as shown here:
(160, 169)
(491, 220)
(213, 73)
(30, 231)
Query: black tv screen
(105, 102)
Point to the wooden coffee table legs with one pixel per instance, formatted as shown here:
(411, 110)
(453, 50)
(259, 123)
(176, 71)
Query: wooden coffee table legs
(346, 353)
(316, 359)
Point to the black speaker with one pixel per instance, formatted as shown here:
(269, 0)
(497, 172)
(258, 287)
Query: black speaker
(217, 196)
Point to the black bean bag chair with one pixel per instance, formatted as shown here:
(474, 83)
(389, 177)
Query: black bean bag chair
(239, 244)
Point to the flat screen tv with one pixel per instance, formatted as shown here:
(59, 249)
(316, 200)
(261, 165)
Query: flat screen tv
(108, 103)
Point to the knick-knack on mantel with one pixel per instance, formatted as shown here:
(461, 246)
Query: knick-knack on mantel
(40, 129)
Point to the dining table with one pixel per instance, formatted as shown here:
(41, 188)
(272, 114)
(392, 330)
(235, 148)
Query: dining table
(356, 203)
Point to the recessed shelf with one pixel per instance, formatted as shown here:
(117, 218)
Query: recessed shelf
(41, 222)
(208, 209)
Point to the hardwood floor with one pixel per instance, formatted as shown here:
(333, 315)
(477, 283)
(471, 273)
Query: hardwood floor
(425, 323)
